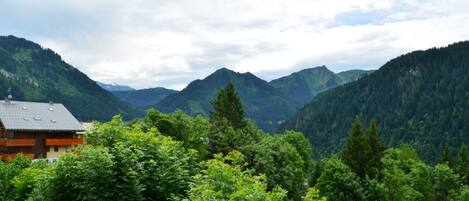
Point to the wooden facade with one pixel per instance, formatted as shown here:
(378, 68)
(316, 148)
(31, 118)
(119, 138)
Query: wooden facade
(37, 144)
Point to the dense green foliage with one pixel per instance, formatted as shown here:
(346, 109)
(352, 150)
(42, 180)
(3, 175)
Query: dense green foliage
(303, 85)
(421, 98)
(263, 104)
(227, 105)
(363, 150)
(37, 74)
(224, 179)
(143, 98)
(169, 157)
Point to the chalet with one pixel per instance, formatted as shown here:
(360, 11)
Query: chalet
(38, 130)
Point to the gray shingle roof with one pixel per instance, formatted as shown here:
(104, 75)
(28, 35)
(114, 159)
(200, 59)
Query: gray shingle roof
(20, 115)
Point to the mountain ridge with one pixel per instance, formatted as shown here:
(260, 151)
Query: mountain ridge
(144, 98)
(303, 85)
(39, 74)
(114, 87)
(418, 98)
(258, 96)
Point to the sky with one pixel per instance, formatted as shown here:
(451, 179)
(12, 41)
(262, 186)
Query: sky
(169, 43)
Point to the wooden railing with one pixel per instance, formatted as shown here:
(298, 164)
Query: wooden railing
(57, 142)
(10, 156)
(17, 142)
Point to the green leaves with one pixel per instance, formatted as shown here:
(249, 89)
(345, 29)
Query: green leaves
(88, 176)
(8, 171)
(337, 182)
(225, 179)
(281, 163)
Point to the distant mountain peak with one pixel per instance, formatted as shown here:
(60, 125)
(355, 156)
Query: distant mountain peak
(317, 68)
(419, 98)
(263, 103)
(144, 98)
(114, 87)
(303, 85)
(223, 69)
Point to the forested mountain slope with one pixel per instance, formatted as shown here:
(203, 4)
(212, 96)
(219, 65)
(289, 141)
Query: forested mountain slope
(303, 85)
(37, 74)
(144, 98)
(263, 103)
(421, 98)
(352, 75)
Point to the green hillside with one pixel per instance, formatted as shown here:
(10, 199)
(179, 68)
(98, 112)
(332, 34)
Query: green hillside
(352, 75)
(144, 98)
(37, 74)
(263, 104)
(421, 98)
(303, 85)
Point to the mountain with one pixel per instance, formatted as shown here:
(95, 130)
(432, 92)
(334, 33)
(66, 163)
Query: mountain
(352, 75)
(263, 103)
(37, 74)
(420, 98)
(115, 87)
(303, 85)
(144, 98)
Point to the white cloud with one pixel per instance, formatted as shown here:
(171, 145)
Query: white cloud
(170, 43)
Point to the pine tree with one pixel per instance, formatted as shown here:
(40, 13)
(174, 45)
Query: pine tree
(445, 156)
(228, 105)
(376, 148)
(356, 153)
(462, 164)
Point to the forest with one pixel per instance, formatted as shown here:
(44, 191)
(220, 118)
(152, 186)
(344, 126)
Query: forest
(225, 157)
(420, 98)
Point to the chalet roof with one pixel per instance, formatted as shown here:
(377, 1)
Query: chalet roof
(29, 116)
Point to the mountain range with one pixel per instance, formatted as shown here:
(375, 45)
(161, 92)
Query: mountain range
(115, 87)
(303, 85)
(420, 98)
(263, 104)
(143, 98)
(37, 74)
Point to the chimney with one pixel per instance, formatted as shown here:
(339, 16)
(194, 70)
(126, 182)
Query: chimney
(9, 96)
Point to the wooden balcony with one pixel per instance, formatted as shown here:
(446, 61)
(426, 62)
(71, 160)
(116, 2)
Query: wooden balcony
(60, 142)
(10, 156)
(17, 142)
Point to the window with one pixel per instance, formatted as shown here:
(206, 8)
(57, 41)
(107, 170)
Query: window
(56, 148)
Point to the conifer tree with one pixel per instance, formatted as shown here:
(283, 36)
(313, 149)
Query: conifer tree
(445, 156)
(228, 105)
(356, 151)
(376, 150)
(363, 150)
(462, 164)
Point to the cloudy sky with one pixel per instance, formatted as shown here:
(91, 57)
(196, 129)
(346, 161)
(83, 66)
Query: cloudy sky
(172, 42)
